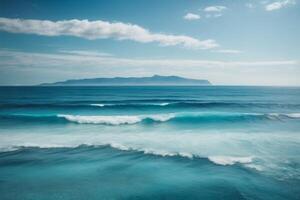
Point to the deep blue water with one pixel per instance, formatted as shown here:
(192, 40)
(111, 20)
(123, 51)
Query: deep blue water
(150, 142)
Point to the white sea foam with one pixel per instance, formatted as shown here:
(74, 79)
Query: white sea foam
(161, 143)
(230, 160)
(163, 104)
(293, 115)
(133, 119)
(111, 120)
(98, 104)
(262, 151)
(115, 120)
(255, 166)
(296, 115)
(124, 104)
(119, 146)
(156, 152)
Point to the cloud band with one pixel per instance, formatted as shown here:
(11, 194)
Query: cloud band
(101, 30)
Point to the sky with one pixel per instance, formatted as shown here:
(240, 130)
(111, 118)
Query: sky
(228, 42)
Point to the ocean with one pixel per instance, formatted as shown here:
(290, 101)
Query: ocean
(135, 142)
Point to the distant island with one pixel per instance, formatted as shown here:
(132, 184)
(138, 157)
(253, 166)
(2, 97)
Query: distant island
(153, 80)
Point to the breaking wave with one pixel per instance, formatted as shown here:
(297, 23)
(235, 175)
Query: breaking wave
(222, 117)
(115, 120)
(230, 160)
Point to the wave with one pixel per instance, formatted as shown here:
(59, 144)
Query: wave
(218, 160)
(146, 104)
(230, 160)
(291, 115)
(115, 120)
(178, 118)
(193, 118)
(99, 104)
(129, 104)
(256, 150)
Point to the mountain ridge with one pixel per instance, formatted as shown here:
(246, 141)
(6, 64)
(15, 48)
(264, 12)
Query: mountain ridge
(118, 81)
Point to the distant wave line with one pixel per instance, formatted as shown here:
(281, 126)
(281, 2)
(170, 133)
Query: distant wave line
(150, 105)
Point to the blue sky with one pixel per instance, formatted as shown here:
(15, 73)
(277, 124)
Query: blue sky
(230, 42)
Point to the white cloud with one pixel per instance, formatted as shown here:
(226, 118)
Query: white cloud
(279, 4)
(191, 16)
(14, 58)
(101, 30)
(214, 11)
(227, 51)
(215, 8)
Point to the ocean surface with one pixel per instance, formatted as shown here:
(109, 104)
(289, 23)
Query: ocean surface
(208, 142)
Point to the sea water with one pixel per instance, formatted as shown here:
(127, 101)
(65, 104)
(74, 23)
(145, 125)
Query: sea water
(208, 142)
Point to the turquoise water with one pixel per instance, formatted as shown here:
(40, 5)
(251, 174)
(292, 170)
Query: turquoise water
(150, 142)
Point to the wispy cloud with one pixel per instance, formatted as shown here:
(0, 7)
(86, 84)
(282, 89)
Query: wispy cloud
(21, 59)
(227, 51)
(100, 30)
(85, 53)
(215, 8)
(191, 16)
(214, 11)
(279, 4)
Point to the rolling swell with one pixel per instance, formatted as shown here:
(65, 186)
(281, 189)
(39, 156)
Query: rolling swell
(147, 105)
(158, 118)
(217, 160)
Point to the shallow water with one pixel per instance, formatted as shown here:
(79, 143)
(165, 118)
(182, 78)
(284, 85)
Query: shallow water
(150, 142)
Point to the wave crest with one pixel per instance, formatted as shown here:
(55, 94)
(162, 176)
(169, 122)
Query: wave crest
(230, 160)
(205, 117)
(115, 120)
(130, 104)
